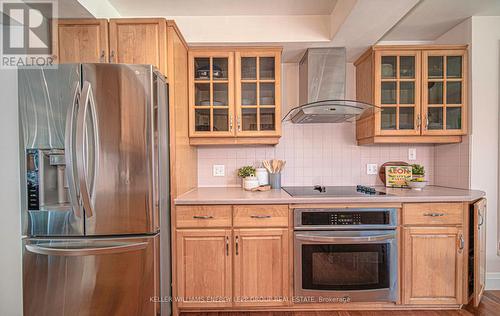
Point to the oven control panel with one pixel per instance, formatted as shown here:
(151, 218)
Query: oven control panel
(332, 217)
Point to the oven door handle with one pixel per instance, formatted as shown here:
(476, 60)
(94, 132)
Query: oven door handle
(344, 239)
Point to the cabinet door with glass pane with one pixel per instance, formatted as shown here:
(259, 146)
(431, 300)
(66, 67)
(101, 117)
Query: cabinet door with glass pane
(258, 92)
(444, 95)
(397, 92)
(211, 97)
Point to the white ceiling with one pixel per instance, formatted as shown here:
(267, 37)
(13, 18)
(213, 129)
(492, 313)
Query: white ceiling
(432, 18)
(222, 7)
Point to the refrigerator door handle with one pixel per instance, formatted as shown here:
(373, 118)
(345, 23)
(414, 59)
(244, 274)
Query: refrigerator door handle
(87, 188)
(83, 248)
(69, 144)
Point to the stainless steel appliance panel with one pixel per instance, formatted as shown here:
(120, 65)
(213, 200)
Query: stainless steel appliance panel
(379, 282)
(48, 101)
(115, 158)
(91, 276)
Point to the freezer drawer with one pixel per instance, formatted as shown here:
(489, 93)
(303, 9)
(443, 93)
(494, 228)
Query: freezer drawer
(91, 276)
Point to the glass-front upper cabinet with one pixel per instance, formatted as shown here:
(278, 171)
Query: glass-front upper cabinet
(397, 92)
(444, 92)
(211, 95)
(258, 97)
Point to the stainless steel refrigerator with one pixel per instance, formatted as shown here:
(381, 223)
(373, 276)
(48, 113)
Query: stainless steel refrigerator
(95, 189)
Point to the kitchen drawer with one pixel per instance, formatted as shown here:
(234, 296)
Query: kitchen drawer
(433, 214)
(260, 216)
(203, 216)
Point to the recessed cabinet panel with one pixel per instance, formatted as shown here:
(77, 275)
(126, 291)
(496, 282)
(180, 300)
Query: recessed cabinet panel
(435, 93)
(407, 67)
(388, 93)
(407, 92)
(406, 118)
(453, 118)
(249, 68)
(219, 68)
(267, 119)
(202, 94)
(249, 116)
(389, 118)
(453, 92)
(266, 68)
(435, 118)
(435, 67)
(454, 66)
(388, 67)
(248, 94)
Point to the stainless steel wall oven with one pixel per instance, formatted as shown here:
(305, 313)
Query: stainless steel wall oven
(345, 254)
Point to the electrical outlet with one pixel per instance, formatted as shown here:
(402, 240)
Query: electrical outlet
(412, 154)
(218, 170)
(371, 168)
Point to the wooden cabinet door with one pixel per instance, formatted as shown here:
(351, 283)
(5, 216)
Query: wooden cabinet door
(211, 94)
(444, 92)
(261, 267)
(433, 265)
(479, 250)
(138, 41)
(397, 92)
(81, 41)
(258, 92)
(203, 267)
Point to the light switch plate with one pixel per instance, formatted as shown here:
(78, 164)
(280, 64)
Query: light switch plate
(218, 170)
(412, 154)
(371, 168)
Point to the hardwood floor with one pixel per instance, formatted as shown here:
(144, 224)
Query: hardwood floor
(490, 306)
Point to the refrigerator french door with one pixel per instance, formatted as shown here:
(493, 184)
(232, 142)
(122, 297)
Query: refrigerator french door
(95, 158)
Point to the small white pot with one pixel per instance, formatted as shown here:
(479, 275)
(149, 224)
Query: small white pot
(250, 183)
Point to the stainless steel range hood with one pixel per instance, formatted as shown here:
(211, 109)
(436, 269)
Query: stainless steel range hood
(322, 73)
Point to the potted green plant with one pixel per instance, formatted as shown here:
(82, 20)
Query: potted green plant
(418, 177)
(246, 172)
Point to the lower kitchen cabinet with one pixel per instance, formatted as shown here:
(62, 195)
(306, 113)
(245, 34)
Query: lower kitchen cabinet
(261, 267)
(204, 267)
(432, 268)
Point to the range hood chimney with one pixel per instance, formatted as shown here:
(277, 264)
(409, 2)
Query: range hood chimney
(322, 73)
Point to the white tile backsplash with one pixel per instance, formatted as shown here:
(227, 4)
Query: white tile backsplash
(324, 154)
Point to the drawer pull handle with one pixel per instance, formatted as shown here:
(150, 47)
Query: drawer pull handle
(434, 214)
(237, 245)
(260, 216)
(203, 217)
(461, 244)
(227, 246)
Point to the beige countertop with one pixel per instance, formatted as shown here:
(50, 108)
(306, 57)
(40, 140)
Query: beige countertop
(230, 195)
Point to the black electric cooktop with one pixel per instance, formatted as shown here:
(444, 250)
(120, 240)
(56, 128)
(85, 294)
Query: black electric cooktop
(332, 191)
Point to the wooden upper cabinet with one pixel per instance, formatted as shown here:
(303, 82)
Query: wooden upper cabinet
(138, 41)
(211, 94)
(479, 252)
(432, 269)
(397, 92)
(261, 267)
(203, 264)
(81, 41)
(235, 95)
(258, 92)
(444, 91)
(419, 93)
